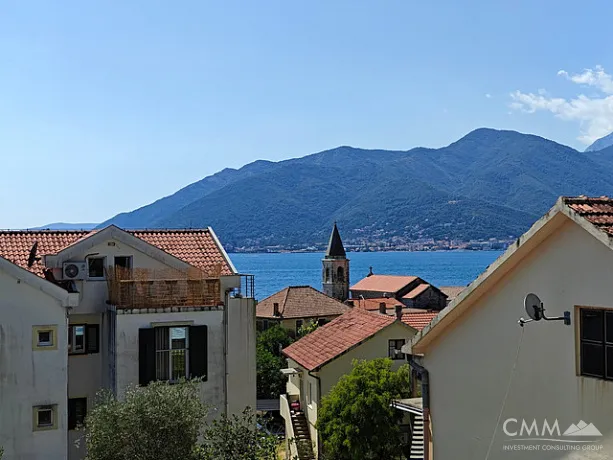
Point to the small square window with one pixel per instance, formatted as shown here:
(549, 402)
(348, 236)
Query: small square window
(95, 267)
(394, 349)
(124, 262)
(45, 338)
(44, 417)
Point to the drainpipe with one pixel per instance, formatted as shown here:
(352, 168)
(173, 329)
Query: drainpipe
(425, 396)
(318, 400)
(225, 351)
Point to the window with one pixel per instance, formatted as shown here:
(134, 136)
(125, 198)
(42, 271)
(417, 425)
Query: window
(596, 342)
(322, 321)
(394, 347)
(123, 262)
(44, 338)
(310, 393)
(83, 338)
(44, 417)
(327, 274)
(95, 267)
(340, 274)
(298, 324)
(77, 411)
(172, 352)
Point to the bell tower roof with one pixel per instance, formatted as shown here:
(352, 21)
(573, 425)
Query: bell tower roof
(336, 250)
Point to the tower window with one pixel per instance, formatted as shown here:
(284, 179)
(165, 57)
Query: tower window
(327, 274)
(340, 274)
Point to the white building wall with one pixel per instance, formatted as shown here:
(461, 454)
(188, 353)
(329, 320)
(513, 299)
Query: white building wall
(28, 377)
(127, 360)
(471, 365)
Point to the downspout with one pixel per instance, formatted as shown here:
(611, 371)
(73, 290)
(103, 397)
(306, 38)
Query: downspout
(425, 396)
(225, 351)
(318, 400)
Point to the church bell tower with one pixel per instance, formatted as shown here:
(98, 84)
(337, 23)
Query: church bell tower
(335, 272)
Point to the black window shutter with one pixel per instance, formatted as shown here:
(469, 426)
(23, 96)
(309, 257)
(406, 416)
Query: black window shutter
(72, 414)
(146, 356)
(198, 353)
(93, 338)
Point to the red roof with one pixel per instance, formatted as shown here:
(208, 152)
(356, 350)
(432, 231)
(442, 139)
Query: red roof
(452, 291)
(418, 320)
(196, 247)
(597, 211)
(383, 283)
(337, 337)
(373, 304)
(300, 302)
(415, 292)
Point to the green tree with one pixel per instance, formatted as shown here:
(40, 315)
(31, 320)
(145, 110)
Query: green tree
(270, 381)
(157, 422)
(230, 438)
(307, 327)
(164, 421)
(355, 419)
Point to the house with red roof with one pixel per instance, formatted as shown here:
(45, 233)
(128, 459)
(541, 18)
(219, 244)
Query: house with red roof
(297, 305)
(111, 308)
(318, 360)
(497, 386)
(410, 291)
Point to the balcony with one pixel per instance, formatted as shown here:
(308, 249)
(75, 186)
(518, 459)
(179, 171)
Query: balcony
(161, 288)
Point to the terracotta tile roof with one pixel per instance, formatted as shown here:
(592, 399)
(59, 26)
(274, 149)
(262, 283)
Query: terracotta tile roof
(300, 302)
(597, 211)
(452, 291)
(418, 320)
(383, 283)
(415, 292)
(373, 304)
(196, 247)
(337, 337)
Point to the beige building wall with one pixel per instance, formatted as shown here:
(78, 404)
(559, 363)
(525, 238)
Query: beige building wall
(471, 364)
(31, 377)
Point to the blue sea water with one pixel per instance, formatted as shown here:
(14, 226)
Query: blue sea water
(274, 272)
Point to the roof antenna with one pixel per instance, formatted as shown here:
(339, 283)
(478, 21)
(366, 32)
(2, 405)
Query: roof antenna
(536, 311)
(32, 257)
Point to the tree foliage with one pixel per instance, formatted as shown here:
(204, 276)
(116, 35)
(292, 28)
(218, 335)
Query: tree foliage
(307, 327)
(164, 421)
(157, 422)
(355, 419)
(270, 381)
(230, 438)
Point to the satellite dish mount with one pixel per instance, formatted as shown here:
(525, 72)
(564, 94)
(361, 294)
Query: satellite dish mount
(536, 311)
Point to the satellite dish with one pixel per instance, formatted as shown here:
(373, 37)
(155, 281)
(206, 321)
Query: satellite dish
(534, 307)
(32, 257)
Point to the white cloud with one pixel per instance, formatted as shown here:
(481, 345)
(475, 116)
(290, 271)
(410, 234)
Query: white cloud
(594, 114)
(488, 95)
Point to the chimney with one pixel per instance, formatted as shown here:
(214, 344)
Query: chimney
(382, 308)
(399, 312)
(275, 309)
(370, 273)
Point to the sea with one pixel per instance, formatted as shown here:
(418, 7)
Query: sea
(275, 271)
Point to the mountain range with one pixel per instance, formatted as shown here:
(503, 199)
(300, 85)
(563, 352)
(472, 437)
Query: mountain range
(488, 184)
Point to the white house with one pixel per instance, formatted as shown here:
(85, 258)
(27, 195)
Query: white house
(495, 390)
(150, 305)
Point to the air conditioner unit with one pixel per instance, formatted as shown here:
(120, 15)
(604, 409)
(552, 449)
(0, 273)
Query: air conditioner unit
(74, 270)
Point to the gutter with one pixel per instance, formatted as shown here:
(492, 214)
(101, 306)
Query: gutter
(425, 396)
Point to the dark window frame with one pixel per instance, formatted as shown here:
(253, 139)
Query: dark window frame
(77, 412)
(89, 346)
(89, 265)
(604, 346)
(392, 344)
(128, 266)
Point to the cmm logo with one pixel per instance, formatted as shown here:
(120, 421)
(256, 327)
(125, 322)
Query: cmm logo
(512, 427)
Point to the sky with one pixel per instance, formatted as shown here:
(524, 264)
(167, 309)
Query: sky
(106, 106)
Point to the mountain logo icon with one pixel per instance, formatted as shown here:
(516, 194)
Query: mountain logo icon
(582, 429)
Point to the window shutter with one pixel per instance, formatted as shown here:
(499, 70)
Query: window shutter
(93, 338)
(198, 351)
(146, 356)
(72, 414)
